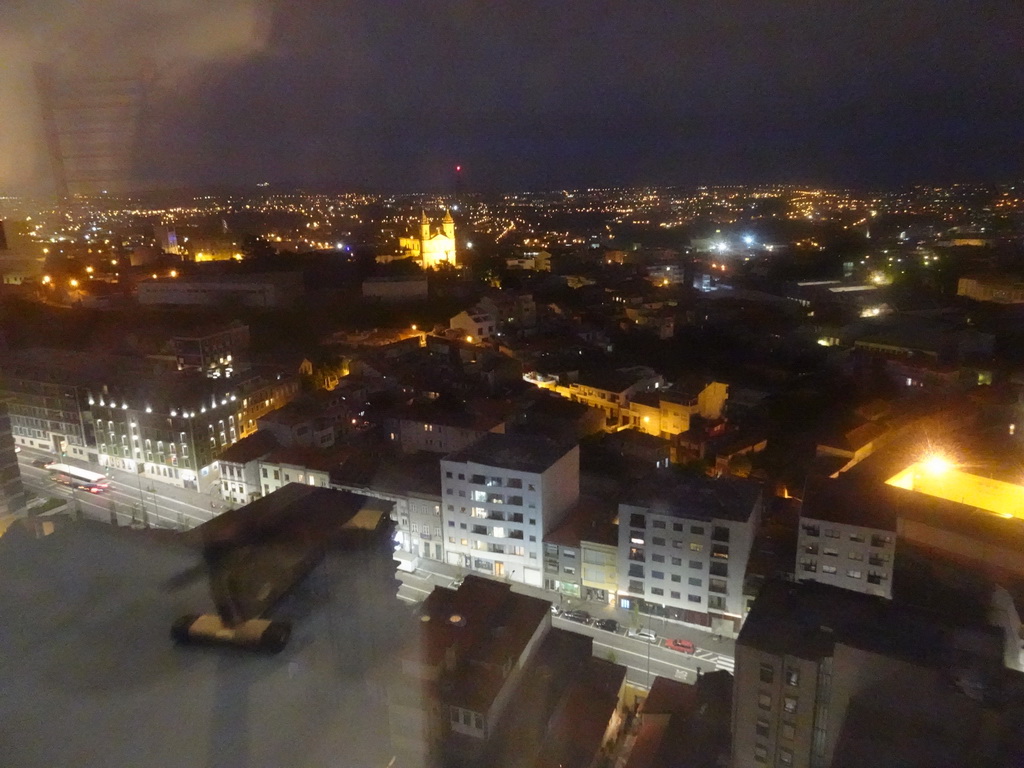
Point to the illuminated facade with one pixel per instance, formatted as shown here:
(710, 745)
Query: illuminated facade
(433, 247)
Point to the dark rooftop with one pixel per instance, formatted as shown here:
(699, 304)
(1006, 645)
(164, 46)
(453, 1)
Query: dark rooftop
(807, 619)
(590, 519)
(668, 492)
(250, 448)
(516, 452)
(845, 502)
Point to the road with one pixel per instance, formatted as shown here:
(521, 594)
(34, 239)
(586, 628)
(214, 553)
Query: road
(132, 498)
(643, 660)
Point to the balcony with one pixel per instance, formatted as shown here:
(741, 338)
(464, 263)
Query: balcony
(492, 515)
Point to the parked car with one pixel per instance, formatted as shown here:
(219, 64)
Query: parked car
(41, 463)
(608, 625)
(458, 582)
(555, 610)
(676, 644)
(642, 634)
(579, 616)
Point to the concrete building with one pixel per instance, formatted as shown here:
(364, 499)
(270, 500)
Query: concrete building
(413, 484)
(315, 420)
(427, 427)
(611, 392)
(169, 426)
(240, 467)
(830, 677)
(588, 531)
(256, 291)
(846, 540)
(511, 310)
(683, 548)
(454, 685)
(502, 495)
(308, 466)
(214, 352)
(666, 412)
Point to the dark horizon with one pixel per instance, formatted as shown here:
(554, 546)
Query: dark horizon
(646, 93)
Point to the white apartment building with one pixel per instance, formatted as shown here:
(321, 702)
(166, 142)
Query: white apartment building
(684, 546)
(845, 540)
(500, 497)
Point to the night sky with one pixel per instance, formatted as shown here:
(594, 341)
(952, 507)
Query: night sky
(391, 94)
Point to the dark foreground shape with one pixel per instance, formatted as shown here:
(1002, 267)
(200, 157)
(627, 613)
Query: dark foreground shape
(254, 634)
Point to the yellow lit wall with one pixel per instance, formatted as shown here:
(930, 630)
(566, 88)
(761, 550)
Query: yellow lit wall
(996, 496)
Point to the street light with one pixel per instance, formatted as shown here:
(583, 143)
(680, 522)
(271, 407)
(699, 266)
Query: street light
(936, 464)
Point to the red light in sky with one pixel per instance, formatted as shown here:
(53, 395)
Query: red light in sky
(458, 168)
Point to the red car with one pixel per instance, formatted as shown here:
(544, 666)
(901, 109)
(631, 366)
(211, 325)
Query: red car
(680, 645)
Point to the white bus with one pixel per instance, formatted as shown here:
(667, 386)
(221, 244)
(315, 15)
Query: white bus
(76, 477)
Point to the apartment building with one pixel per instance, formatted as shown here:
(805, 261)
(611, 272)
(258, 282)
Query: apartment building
(429, 427)
(668, 411)
(846, 540)
(413, 484)
(454, 685)
(213, 352)
(12, 492)
(580, 553)
(830, 677)
(240, 470)
(683, 548)
(611, 392)
(308, 466)
(169, 426)
(501, 496)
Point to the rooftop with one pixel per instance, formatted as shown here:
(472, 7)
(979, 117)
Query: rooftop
(847, 503)
(590, 519)
(807, 619)
(487, 626)
(668, 492)
(520, 453)
(249, 448)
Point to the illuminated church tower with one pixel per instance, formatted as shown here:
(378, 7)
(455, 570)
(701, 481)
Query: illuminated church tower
(433, 247)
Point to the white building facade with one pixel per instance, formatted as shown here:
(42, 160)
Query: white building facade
(500, 496)
(683, 551)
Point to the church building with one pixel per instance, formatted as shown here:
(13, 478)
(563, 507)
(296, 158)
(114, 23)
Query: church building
(432, 248)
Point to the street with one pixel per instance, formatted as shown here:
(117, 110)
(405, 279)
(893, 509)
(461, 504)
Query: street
(643, 660)
(132, 499)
